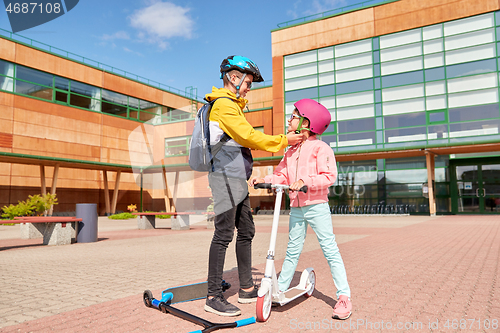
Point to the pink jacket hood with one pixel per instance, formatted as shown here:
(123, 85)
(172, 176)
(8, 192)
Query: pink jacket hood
(312, 161)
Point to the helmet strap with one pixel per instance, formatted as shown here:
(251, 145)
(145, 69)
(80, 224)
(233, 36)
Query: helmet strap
(299, 127)
(239, 84)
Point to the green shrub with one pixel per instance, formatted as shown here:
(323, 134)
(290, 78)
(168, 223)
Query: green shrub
(122, 216)
(34, 204)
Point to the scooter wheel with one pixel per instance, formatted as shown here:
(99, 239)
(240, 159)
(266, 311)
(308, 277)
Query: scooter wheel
(264, 304)
(311, 282)
(147, 297)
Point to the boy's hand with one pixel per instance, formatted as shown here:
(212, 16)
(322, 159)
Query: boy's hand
(255, 180)
(293, 138)
(297, 185)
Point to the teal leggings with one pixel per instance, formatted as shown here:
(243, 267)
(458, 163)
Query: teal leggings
(319, 218)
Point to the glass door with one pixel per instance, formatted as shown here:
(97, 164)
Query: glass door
(477, 188)
(490, 192)
(468, 184)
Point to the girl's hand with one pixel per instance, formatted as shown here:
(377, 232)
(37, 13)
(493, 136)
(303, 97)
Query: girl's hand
(297, 185)
(255, 180)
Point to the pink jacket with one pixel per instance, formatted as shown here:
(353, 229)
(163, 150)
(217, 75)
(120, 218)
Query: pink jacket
(313, 162)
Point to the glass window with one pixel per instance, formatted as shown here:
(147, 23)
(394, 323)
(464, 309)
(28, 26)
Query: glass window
(485, 96)
(326, 78)
(473, 82)
(435, 88)
(114, 97)
(326, 66)
(328, 90)
(302, 70)
(478, 128)
(434, 60)
(400, 38)
(477, 67)
(435, 102)
(354, 73)
(326, 53)
(433, 46)
(133, 102)
(32, 75)
(331, 128)
(469, 39)
(353, 48)
(405, 120)
(353, 61)
(301, 82)
(301, 58)
(115, 109)
(34, 90)
(402, 79)
(354, 86)
(61, 83)
(376, 56)
(6, 83)
(436, 117)
(433, 31)
(61, 97)
(434, 74)
(473, 113)
(85, 89)
(404, 65)
(468, 24)
(176, 146)
(6, 68)
(328, 102)
(355, 112)
(404, 92)
(356, 139)
(406, 176)
(355, 99)
(356, 125)
(470, 54)
(437, 132)
(405, 163)
(331, 140)
(400, 52)
(404, 106)
(308, 93)
(376, 43)
(406, 135)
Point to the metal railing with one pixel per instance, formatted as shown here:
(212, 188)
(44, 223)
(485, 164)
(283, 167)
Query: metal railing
(337, 11)
(89, 62)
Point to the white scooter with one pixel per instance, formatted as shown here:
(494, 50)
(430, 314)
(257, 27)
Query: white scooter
(269, 292)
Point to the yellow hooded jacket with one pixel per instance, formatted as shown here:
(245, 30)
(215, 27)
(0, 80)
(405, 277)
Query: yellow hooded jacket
(227, 116)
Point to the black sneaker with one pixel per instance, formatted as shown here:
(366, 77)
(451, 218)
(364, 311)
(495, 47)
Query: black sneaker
(248, 296)
(219, 305)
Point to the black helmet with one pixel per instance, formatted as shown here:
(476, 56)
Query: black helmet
(241, 64)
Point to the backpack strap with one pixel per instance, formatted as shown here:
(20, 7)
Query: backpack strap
(224, 138)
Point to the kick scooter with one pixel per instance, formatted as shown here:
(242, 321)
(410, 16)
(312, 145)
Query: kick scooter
(190, 293)
(269, 292)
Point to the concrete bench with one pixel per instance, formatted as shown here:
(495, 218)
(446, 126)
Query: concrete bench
(55, 230)
(179, 220)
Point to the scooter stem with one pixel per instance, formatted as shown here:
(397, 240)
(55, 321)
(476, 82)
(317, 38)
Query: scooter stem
(276, 217)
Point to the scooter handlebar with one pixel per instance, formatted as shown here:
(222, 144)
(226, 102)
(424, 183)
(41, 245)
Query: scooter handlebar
(285, 187)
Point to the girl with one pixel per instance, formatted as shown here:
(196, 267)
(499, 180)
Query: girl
(310, 163)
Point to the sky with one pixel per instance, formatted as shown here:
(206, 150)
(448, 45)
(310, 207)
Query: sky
(177, 43)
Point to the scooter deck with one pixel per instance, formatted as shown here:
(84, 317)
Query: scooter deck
(188, 292)
(290, 295)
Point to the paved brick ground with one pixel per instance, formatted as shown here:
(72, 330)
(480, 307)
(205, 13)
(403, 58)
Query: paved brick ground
(436, 274)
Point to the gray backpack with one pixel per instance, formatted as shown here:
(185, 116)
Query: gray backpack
(200, 152)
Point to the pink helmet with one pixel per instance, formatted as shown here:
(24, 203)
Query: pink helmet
(319, 116)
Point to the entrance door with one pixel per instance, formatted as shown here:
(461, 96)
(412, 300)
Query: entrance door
(477, 188)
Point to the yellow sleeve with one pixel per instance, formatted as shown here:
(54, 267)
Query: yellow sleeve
(232, 121)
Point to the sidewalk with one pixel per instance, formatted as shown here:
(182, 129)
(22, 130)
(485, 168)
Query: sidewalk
(408, 273)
